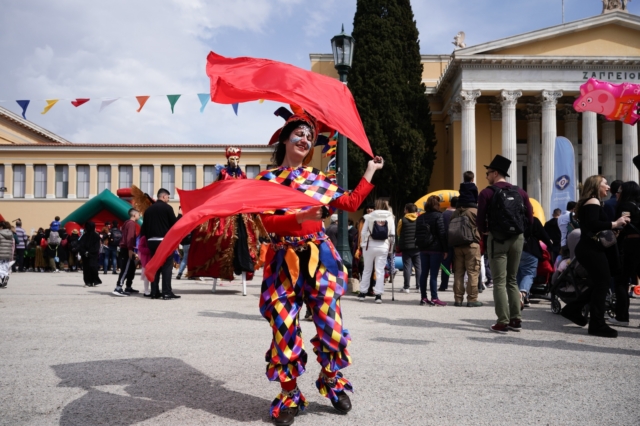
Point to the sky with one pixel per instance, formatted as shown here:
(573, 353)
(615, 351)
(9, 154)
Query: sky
(125, 48)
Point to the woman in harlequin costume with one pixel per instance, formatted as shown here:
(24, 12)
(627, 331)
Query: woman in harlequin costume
(222, 247)
(303, 265)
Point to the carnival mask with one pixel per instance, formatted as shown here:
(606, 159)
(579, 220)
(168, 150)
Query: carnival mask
(234, 161)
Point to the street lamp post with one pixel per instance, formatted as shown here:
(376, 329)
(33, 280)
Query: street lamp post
(342, 46)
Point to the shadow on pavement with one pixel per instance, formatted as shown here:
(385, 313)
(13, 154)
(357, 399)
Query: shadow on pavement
(231, 315)
(558, 344)
(129, 391)
(401, 341)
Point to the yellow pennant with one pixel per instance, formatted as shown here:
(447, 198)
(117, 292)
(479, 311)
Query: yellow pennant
(50, 104)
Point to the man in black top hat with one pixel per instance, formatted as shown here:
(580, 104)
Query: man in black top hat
(504, 252)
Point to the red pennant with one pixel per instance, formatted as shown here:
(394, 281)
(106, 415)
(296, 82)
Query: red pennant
(79, 101)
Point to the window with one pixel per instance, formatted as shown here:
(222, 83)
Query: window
(62, 181)
(40, 189)
(83, 181)
(104, 178)
(125, 176)
(210, 175)
(252, 171)
(188, 177)
(19, 179)
(169, 179)
(1, 180)
(146, 179)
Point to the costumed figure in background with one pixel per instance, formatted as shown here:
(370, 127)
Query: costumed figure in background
(222, 247)
(302, 265)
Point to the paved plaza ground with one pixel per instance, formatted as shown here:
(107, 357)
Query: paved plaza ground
(71, 355)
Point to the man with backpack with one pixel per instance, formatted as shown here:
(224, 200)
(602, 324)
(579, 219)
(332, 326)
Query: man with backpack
(126, 256)
(407, 245)
(464, 237)
(504, 213)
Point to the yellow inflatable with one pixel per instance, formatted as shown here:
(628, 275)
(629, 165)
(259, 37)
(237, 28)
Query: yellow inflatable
(445, 196)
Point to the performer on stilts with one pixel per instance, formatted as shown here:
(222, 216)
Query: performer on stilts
(222, 247)
(303, 265)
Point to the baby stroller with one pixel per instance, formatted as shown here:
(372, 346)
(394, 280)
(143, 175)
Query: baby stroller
(569, 283)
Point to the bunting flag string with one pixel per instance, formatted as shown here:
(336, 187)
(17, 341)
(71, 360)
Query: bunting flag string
(105, 103)
(172, 100)
(24, 104)
(142, 100)
(79, 101)
(50, 104)
(204, 99)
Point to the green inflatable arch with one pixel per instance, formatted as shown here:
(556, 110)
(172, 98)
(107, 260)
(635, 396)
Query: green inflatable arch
(106, 200)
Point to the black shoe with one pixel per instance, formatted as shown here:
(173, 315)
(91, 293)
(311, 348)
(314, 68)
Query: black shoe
(603, 331)
(286, 417)
(146, 295)
(130, 290)
(178, 276)
(574, 317)
(114, 273)
(343, 404)
(442, 289)
(155, 296)
(170, 296)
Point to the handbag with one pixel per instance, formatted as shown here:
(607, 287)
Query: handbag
(607, 238)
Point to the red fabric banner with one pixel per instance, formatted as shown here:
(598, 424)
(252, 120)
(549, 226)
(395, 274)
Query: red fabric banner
(222, 199)
(79, 102)
(247, 79)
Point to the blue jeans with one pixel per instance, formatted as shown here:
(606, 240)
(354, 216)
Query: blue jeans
(430, 263)
(110, 252)
(527, 271)
(185, 258)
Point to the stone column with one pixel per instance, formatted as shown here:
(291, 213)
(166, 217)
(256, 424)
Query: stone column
(135, 176)
(533, 151)
(467, 100)
(509, 99)
(178, 181)
(609, 150)
(589, 144)
(571, 133)
(629, 150)
(199, 175)
(115, 172)
(29, 180)
(73, 181)
(93, 180)
(549, 133)
(8, 180)
(51, 181)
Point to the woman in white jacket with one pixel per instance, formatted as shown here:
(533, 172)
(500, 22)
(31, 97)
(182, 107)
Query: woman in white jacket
(376, 238)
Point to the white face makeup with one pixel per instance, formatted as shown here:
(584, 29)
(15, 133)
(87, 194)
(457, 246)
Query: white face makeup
(302, 132)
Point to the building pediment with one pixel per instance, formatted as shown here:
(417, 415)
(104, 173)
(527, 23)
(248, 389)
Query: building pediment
(16, 130)
(611, 34)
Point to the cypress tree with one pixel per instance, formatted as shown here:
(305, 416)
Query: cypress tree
(386, 82)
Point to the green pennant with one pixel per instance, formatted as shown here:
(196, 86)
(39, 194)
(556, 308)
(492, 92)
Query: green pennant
(172, 100)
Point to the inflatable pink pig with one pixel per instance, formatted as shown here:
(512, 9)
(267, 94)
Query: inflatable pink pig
(614, 101)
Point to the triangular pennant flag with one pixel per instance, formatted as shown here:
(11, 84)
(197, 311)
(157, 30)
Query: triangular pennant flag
(260, 101)
(105, 103)
(142, 100)
(24, 105)
(235, 108)
(79, 101)
(172, 100)
(50, 104)
(204, 98)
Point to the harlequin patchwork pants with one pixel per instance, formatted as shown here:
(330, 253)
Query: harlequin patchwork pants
(315, 275)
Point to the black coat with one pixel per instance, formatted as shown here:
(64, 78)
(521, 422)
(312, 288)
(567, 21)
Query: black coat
(436, 224)
(532, 237)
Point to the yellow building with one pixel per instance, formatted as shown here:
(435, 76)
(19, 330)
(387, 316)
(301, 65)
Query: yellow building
(511, 96)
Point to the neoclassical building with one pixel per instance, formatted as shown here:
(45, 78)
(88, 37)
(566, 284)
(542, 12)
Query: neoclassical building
(513, 96)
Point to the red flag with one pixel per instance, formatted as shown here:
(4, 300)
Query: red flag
(247, 79)
(222, 199)
(79, 101)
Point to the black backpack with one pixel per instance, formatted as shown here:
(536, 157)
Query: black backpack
(507, 213)
(380, 232)
(74, 246)
(424, 237)
(116, 237)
